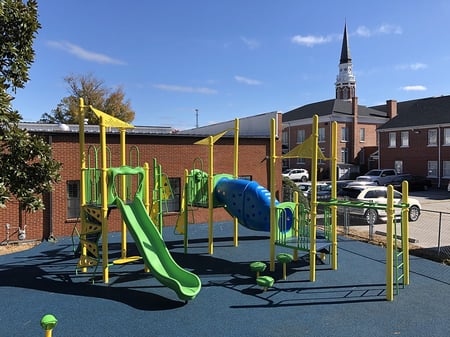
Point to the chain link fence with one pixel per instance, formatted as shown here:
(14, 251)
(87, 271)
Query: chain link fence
(429, 236)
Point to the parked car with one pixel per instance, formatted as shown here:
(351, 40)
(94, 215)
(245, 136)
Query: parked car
(297, 174)
(380, 177)
(362, 183)
(323, 190)
(376, 194)
(415, 183)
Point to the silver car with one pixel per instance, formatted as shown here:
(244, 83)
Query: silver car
(378, 195)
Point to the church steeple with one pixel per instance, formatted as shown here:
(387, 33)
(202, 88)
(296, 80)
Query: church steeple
(345, 51)
(345, 80)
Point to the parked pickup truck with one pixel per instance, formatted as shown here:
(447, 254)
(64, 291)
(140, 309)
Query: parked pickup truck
(379, 176)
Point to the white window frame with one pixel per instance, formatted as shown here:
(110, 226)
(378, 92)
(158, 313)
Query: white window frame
(344, 134)
(285, 138)
(392, 139)
(300, 136)
(344, 155)
(446, 169)
(432, 137)
(362, 135)
(398, 165)
(73, 199)
(404, 139)
(432, 168)
(321, 135)
(446, 136)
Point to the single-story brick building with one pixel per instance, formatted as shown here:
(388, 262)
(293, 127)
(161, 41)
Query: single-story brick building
(174, 151)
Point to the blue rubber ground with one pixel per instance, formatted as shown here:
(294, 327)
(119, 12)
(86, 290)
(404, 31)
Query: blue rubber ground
(350, 301)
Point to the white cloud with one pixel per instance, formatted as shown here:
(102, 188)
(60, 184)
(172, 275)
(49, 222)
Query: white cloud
(250, 43)
(414, 88)
(389, 29)
(412, 66)
(310, 40)
(364, 31)
(178, 88)
(83, 53)
(246, 80)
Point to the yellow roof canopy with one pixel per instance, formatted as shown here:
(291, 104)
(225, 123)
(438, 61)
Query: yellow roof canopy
(215, 138)
(110, 121)
(305, 150)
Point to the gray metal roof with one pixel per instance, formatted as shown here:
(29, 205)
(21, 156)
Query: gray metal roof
(329, 107)
(253, 126)
(74, 128)
(419, 113)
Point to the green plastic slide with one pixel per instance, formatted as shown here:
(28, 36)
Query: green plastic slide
(155, 253)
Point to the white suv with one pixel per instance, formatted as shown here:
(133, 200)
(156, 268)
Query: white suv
(297, 174)
(376, 194)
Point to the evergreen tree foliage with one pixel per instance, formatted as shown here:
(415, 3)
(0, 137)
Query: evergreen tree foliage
(27, 169)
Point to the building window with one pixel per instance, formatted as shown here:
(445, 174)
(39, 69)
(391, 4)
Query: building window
(398, 166)
(446, 168)
(432, 168)
(344, 155)
(321, 134)
(73, 199)
(285, 139)
(344, 134)
(301, 161)
(362, 135)
(300, 136)
(404, 139)
(173, 203)
(392, 139)
(447, 136)
(432, 137)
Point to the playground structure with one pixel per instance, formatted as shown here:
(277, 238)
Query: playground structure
(126, 188)
(290, 224)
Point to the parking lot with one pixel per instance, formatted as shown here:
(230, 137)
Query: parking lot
(430, 234)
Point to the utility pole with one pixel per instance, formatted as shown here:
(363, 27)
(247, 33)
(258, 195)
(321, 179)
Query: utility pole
(196, 118)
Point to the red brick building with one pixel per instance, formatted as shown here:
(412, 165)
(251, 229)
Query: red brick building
(175, 152)
(417, 139)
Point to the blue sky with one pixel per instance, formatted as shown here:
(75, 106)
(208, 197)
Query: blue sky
(236, 58)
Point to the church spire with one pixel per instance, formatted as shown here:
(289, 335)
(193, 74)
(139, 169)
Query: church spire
(345, 80)
(345, 51)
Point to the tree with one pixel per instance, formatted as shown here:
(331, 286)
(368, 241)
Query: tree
(94, 93)
(27, 169)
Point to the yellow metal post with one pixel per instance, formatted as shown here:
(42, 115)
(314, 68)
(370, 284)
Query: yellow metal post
(83, 176)
(146, 198)
(334, 178)
(312, 243)
(123, 162)
(390, 244)
(297, 208)
(104, 190)
(273, 224)
(236, 174)
(405, 232)
(210, 196)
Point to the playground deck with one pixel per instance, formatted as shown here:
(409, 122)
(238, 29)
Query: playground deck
(350, 301)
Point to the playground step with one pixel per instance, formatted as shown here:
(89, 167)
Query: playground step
(94, 212)
(91, 247)
(86, 261)
(91, 228)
